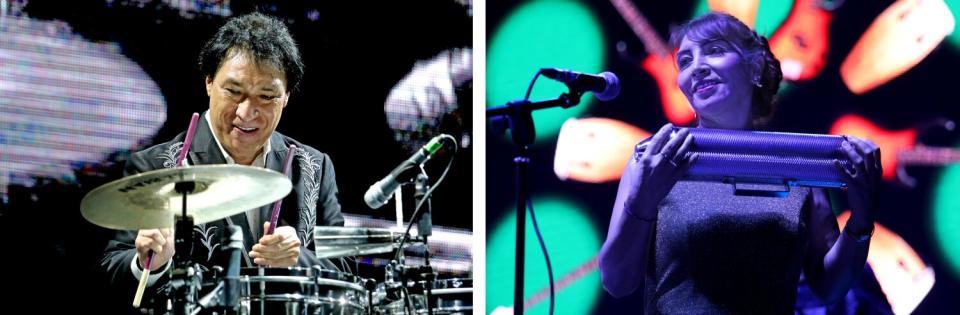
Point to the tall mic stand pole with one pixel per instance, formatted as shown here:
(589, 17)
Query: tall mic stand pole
(425, 229)
(517, 116)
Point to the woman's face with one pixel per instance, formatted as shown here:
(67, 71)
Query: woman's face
(718, 81)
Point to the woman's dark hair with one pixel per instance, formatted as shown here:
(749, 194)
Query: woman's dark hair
(722, 26)
(263, 38)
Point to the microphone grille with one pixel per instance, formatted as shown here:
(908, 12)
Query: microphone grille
(612, 89)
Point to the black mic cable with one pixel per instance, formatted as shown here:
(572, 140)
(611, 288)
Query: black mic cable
(426, 196)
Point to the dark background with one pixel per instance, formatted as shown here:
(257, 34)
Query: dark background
(354, 54)
(924, 93)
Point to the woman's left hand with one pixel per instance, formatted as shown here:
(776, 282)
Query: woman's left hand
(863, 179)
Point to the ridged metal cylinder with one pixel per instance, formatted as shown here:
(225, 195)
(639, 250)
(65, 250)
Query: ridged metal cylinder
(739, 156)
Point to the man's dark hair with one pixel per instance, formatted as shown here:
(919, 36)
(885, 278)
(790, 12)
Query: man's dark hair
(263, 38)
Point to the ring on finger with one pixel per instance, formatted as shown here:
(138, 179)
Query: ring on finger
(638, 151)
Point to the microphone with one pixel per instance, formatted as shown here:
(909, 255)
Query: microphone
(605, 86)
(231, 290)
(378, 193)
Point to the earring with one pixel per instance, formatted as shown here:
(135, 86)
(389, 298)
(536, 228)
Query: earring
(756, 82)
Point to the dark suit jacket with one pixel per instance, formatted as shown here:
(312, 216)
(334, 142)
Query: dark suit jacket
(312, 202)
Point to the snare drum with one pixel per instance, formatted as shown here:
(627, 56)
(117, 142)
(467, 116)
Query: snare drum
(299, 291)
(339, 293)
(450, 296)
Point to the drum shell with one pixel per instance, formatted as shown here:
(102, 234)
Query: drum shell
(298, 291)
(449, 296)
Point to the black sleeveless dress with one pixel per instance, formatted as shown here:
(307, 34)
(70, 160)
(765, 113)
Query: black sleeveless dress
(720, 253)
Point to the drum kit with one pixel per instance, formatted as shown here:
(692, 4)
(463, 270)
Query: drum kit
(182, 197)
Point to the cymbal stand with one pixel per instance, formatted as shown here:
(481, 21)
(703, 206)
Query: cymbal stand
(185, 277)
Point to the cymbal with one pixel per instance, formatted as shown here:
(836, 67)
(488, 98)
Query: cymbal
(338, 241)
(148, 200)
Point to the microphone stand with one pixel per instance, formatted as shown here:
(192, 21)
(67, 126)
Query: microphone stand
(517, 116)
(425, 229)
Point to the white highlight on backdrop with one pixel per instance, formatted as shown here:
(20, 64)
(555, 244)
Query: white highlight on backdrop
(67, 102)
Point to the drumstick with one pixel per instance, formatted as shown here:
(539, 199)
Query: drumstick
(187, 141)
(275, 214)
(143, 281)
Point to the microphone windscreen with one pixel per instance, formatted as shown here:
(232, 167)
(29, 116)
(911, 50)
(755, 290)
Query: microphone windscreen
(612, 88)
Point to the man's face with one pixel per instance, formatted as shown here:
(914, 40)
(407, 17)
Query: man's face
(246, 101)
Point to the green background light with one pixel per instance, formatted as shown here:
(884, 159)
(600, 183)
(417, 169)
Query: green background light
(770, 14)
(572, 240)
(946, 216)
(543, 34)
(954, 38)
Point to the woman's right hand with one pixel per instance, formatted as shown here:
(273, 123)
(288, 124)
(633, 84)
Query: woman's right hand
(656, 170)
